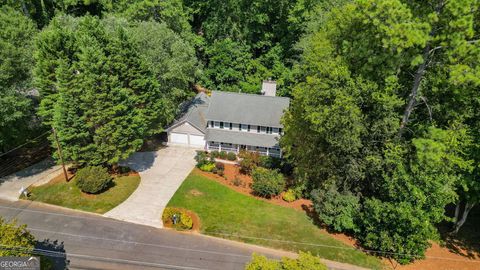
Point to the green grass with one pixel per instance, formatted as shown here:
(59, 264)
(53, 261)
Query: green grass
(224, 212)
(69, 195)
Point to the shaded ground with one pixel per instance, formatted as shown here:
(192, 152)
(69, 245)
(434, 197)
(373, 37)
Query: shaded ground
(229, 214)
(32, 152)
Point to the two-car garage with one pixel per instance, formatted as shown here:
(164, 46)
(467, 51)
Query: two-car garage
(186, 134)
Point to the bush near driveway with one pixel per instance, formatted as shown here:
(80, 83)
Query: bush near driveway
(267, 183)
(305, 261)
(185, 222)
(93, 179)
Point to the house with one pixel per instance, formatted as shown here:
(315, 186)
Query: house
(227, 121)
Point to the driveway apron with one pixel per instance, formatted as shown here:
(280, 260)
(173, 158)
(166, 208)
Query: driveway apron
(161, 173)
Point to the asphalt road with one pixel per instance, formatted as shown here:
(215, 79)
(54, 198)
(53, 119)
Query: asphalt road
(95, 242)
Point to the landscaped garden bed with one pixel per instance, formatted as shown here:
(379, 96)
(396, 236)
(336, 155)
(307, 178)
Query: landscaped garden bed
(181, 219)
(229, 214)
(68, 194)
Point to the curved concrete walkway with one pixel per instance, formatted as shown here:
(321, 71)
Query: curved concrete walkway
(162, 173)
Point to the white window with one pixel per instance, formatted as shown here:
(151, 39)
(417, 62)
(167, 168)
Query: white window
(235, 126)
(263, 129)
(217, 124)
(244, 127)
(275, 130)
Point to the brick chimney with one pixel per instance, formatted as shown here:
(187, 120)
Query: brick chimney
(269, 88)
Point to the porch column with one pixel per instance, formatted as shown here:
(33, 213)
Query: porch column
(238, 148)
(267, 151)
(207, 145)
(219, 147)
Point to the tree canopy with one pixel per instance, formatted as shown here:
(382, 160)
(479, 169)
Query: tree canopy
(374, 114)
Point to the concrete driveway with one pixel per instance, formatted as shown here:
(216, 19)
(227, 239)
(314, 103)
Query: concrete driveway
(162, 173)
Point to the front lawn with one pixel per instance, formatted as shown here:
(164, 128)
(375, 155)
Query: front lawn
(226, 213)
(69, 195)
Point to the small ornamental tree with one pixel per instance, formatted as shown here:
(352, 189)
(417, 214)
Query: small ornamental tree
(15, 240)
(267, 183)
(93, 179)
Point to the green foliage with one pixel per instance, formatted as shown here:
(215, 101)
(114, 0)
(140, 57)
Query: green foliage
(304, 261)
(202, 158)
(351, 125)
(15, 240)
(98, 89)
(215, 154)
(185, 222)
(16, 46)
(208, 167)
(267, 183)
(396, 228)
(337, 210)
(248, 161)
(231, 156)
(93, 179)
(222, 155)
(289, 196)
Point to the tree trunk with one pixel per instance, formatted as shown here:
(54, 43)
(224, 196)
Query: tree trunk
(459, 223)
(419, 74)
(457, 211)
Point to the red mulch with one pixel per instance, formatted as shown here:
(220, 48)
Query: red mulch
(232, 171)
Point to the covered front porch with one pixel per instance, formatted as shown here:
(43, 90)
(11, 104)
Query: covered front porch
(236, 148)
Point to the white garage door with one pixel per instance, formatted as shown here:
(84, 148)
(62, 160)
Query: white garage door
(179, 138)
(196, 140)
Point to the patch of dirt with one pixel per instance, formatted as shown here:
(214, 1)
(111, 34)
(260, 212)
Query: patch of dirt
(195, 193)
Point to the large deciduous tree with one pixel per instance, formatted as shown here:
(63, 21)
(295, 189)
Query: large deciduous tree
(376, 113)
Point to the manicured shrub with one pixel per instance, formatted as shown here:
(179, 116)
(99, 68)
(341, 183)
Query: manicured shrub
(267, 183)
(249, 160)
(337, 210)
(270, 162)
(222, 155)
(214, 170)
(201, 158)
(231, 156)
(184, 221)
(208, 167)
(289, 196)
(215, 154)
(93, 179)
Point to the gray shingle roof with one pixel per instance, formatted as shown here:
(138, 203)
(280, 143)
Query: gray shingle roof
(243, 138)
(247, 108)
(194, 112)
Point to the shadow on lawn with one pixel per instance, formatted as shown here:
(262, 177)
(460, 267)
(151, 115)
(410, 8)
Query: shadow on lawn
(54, 251)
(467, 242)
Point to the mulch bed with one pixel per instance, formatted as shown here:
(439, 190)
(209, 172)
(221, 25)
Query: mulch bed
(233, 171)
(195, 219)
